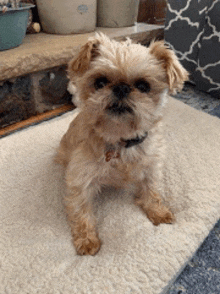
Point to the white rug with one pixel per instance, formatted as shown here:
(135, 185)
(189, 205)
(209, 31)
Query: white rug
(36, 253)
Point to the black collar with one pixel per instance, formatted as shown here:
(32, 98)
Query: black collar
(113, 151)
(134, 141)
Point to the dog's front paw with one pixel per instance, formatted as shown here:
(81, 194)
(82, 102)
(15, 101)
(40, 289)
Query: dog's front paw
(160, 214)
(87, 246)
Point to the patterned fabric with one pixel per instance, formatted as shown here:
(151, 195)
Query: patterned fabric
(192, 30)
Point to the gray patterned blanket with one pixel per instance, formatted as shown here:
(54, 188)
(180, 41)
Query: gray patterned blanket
(192, 30)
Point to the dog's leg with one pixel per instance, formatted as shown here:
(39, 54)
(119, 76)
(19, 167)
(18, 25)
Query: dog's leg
(78, 204)
(150, 202)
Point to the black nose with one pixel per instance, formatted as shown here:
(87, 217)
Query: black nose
(121, 91)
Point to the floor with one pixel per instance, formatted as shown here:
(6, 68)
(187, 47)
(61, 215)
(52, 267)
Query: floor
(202, 273)
(199, 100)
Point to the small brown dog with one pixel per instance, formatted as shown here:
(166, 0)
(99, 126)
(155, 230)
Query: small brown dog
(116, 139)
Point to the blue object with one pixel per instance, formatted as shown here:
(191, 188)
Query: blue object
(13, 26)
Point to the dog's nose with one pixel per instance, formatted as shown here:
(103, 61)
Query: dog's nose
(121, 91)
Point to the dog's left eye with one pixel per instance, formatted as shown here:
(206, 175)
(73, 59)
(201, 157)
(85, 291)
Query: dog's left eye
(143, 86)
(101, 83)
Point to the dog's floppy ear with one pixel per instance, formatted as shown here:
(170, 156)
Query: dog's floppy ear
(81, 61)
(176, 74)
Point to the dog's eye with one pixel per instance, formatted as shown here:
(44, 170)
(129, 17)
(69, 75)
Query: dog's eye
(101, 83)
(142, 86)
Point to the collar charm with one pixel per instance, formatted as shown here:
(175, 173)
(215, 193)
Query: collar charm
(113, 151)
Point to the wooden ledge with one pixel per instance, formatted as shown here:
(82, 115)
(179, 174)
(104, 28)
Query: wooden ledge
(35, 120)
(43, 51)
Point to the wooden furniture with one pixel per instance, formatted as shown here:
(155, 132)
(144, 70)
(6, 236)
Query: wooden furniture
(152, 11)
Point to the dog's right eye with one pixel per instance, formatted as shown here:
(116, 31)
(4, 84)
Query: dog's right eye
(143, 86)
(101, 83)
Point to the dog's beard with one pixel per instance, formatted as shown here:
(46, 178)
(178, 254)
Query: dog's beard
(111, 106)
(110, 118)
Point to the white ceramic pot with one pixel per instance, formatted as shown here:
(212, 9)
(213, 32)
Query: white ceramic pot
(67, 16)
(117, 13)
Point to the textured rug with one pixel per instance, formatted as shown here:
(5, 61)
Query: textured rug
(36, 253)
(202, 272)
(200, 100)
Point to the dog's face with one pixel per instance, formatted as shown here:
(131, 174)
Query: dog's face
(123, 86)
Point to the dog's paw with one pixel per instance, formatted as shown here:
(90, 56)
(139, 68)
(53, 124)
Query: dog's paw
(87, 246)
(160, 215)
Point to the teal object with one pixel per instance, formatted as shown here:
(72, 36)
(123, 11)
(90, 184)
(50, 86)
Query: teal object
(13, 26)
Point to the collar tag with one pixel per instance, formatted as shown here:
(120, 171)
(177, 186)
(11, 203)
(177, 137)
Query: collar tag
(112, 152)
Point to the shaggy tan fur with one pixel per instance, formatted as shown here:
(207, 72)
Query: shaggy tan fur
(122, 88)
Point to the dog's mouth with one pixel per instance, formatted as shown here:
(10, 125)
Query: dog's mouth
(119, 108)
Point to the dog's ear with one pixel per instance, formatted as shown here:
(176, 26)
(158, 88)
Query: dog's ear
(176, 74)
(81, 61)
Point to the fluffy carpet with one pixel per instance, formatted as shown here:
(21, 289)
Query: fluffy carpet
(36, 253)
